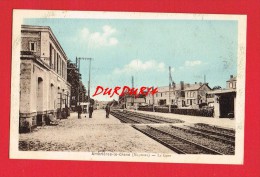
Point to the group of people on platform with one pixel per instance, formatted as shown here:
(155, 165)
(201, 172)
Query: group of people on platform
(91, 109)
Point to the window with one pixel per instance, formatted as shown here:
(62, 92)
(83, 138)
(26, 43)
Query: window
(32, 46)
(51, 56)
(230, 85)
(58, 67)
(62, 69)
(54, 59)
(234, 85)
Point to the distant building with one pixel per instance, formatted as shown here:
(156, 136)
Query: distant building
(101, 104)
(44, 90)
(163, 98)
(195, 94)
(181, 95)
(130, 101)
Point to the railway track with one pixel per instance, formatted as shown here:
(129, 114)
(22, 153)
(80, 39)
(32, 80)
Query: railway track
(220, 145)
(157, 119)
(184, 139)
(137, 118)
(229, 138)
(145, 118)
(131, 119)
(124, 119)
(175, 143)
(208, 135)
(216, 129)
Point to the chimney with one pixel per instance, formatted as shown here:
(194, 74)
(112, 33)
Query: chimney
(182, 85)
(231, 76)
(173, 84)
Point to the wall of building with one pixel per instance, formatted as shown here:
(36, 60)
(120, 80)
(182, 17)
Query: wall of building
(40, 84)
(26, 113)
(45, 51)
(29, 36)
(161, 96)
(195, 97)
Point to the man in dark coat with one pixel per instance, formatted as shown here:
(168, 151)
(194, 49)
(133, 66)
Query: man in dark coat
(90, 110)
(107, 110)
(79, 111)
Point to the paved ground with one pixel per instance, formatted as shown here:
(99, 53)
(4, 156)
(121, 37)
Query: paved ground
(223, 122)
(96, 134)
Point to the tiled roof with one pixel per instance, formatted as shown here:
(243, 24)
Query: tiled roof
(187, 86)
(194, 86)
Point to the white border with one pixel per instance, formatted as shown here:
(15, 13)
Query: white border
(19, 15)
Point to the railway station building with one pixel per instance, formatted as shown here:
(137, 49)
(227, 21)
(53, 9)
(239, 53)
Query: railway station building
(224, 100)
(44, 90)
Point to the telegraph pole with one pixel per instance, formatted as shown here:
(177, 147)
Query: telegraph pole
(170, 78)
(89, 76)
(78, 65)
(133, 87)
(153, 100)
(132, 81)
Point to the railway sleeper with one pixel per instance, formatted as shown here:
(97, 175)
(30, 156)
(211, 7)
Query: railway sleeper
(160, 141)
(204, 135)
(211, 151)
(231, 131)
(213, 132)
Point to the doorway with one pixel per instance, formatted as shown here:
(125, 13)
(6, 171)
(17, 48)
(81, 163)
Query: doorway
(39, 101)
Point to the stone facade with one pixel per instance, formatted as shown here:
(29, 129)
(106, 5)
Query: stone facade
(44, 90)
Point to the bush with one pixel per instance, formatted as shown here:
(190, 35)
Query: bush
(192, 112)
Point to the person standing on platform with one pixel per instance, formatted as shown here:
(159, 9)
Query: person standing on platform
(107, 110)
(90, 110)
(79, 111)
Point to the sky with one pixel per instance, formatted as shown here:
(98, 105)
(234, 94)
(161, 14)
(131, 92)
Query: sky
(145, 48)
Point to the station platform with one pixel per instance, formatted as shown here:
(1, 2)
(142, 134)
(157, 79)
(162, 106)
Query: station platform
(90, 135)
(223, 122)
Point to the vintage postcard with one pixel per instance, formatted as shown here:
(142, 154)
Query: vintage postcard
(128, 86)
